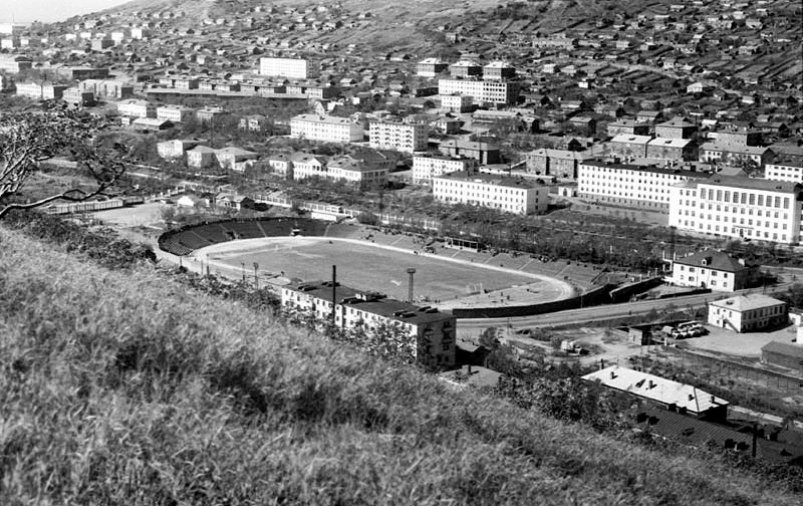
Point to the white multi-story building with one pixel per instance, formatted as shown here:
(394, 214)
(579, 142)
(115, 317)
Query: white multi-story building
(291, 68)
(398, 135)
(739, 207)
(710, 269)
(325, 128)
(427, 334)
(425, 168)
(784, 172)
(457, 103)
(29, 90)
(631, 185)
(507, 194)
(347, 169)
(136, 109)
(498, 71)
(483, 92)
(174, 114)
(175, 148)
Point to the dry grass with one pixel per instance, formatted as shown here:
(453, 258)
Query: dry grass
(123, 388)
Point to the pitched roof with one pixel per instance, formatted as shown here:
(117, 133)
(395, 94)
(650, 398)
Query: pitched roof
(712, 259)
(656, 388)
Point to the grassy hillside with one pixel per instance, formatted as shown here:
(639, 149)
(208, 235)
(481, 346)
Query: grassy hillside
(121, 387)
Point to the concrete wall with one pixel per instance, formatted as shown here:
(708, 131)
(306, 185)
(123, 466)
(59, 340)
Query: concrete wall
(594, 297)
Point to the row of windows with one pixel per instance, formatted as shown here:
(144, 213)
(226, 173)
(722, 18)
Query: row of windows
(736, 197)
(736, 231)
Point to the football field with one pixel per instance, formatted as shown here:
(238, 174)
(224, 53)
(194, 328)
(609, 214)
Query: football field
(366, 266)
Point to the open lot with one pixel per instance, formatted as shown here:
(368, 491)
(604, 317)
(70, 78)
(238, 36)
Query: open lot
(382, 268)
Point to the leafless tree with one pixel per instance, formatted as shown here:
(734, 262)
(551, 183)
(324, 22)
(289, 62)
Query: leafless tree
(27, 139)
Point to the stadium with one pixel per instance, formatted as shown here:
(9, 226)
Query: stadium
(281, 250)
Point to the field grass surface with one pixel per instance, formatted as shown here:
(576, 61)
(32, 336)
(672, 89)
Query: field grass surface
(369, 267)
(123, 387)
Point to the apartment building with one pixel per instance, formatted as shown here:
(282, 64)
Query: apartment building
(672, 148)
(630, 185)
(114, 90)
(44, 91)
(676, 128)
(427, 167)
(174, 149)
(398, 135)
(430, 67)
(306, 165)
(78, 97)
(201, 157)
(427, 334)
(738, 207)
(174, 114)
(732, 154)
(234, 158)
(325, 128)
(555, 162)
(291, 68)
(14, 64)
(481, 91)
(507, 194)
(136, 109)
(784, 172)
(629, 146)
(351, 170)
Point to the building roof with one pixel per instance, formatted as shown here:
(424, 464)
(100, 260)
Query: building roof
(235, 151)
(632, 139)
(371, 302)
(493, 179)
(648, 168)
(656, 388)
(754, 183)
(561, 154)
(747, 302)
(473, 145)
(323, 119)
(677, 122)
(734, 148)
(431, 61)
(712, 259)
(670, 142)
(781, 348)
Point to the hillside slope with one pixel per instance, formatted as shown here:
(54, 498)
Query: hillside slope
(120, 387)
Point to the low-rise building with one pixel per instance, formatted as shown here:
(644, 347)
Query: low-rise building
(398, 135)
(676, 128)
(136, 109)
(484, 152)
(174, 149)
(674, 396)
(114, 90)
(747, 313)
(738, 207)
(282, 165)
(465, 68)
(201, 157)
(498, 71)
(559, 163)
(506, 194)
(789, 355)
(355, 171)
(14, 64)
(710, 269)
(630, 185)
(325, 128)
(629, 146)
(424, 333)
(77, 97)
(732, 154)
(457, 102)
(174, 113)
(234, 158)
(628, 127)
(430, 67)
(672, 149)
(427, 167)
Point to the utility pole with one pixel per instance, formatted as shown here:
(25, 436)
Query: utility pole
(334, 293)
(256, 277)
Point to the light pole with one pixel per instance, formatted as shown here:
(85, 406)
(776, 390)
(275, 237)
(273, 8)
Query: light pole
(256, 278)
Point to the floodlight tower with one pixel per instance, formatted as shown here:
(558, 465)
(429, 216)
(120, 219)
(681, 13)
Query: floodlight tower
(411, 272)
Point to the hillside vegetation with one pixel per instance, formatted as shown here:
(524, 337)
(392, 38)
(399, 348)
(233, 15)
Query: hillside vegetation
(125, 387)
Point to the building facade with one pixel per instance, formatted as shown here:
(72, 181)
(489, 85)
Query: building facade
(399, 136)
(506, 194)
(325, 128)
(747, 313)
(710, 269)
(784, 172)
(631, 185)
(738, 207)
(424, 333)
(136, 109)
(430, 67)
(291, 68)
(425, 168)
(174, 114)
(481, 91)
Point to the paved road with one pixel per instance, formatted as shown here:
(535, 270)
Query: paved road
(597, 313)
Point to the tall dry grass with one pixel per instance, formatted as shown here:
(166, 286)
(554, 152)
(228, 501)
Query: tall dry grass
(122, 387)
